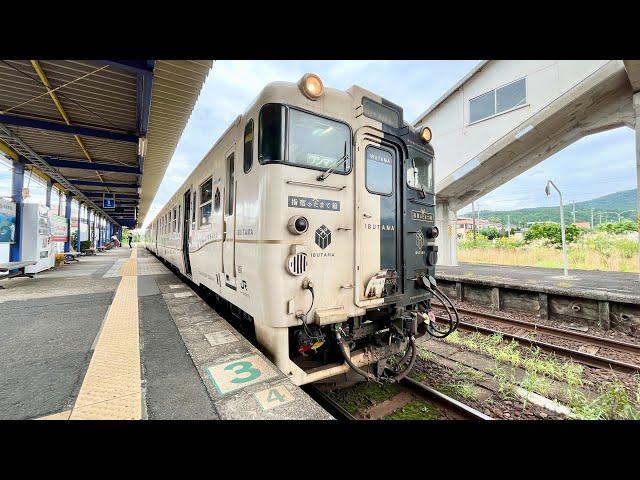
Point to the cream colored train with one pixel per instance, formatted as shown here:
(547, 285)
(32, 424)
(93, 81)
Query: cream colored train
(312, 218)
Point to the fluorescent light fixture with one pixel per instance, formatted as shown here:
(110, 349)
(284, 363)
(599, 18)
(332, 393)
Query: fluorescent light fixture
(466, 168)
(142, 146)
(524, 131)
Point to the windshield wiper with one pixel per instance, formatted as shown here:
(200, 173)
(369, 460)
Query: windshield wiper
(329, 171)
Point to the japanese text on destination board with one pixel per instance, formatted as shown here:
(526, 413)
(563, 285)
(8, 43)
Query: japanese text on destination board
(314, 203)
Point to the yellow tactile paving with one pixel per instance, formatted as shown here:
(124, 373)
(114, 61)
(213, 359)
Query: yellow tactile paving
(111, 386)
(128, 407)
(57, 416)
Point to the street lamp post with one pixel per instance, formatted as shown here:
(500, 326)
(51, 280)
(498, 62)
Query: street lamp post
(565, 262)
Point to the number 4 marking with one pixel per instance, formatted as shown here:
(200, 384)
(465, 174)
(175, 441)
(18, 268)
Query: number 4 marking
(274, 395)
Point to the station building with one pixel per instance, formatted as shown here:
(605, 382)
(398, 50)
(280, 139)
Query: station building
(505, 117)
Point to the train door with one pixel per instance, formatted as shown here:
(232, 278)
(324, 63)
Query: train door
(378, 222)
(186, 230)
(229, 221)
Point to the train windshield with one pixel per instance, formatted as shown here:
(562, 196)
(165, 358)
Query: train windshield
(288, 135)
(420, 173)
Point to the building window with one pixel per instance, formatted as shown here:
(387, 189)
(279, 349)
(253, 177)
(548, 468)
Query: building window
(497, 101)
(206, 190)
(248, 146)
(379, 171)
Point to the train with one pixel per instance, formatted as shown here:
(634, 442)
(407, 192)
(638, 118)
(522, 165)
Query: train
(312, 218)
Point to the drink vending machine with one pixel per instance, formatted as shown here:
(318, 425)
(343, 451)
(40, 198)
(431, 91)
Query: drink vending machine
(36, 237)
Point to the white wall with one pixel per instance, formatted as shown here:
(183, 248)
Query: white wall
(456, 142)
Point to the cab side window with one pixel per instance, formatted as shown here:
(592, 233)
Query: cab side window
(248, 146)
(379, 170)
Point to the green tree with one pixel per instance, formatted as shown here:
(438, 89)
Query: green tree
(622, 226)
(490, 232)
(552, 232)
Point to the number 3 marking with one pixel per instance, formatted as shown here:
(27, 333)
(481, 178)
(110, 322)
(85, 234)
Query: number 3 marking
(244, 368)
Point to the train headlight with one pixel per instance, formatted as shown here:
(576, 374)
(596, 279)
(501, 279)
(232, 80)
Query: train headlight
(311, 86)
(426, 134)
(433, 232)
(298, 225)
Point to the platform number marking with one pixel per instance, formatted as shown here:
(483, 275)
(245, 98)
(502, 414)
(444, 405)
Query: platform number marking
(274, 397)
(245, 372)
(229, 376)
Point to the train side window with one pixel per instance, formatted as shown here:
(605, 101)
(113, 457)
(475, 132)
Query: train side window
(248, 146)
(379, 170)
(206, 190)
(230, 182)
(174, 220)
(178, 221)
(193, 211)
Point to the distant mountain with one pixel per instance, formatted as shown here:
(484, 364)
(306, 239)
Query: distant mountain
(614, 202)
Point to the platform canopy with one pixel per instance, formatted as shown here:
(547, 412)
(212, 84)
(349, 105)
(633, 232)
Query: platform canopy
(99, 127)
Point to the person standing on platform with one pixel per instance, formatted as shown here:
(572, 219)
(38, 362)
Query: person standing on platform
(130, 239)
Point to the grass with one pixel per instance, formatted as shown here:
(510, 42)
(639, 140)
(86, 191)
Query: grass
(530, 359)
(364, 395)
(612, 401)
(415, 410)
(592, 251)
(459, 389)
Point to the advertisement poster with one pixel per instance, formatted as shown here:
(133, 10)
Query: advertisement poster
(59, 230)
(7, 221)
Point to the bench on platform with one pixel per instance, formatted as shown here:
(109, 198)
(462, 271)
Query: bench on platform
(16, 269)
(101, 249)
(70, 257)
(89, 251)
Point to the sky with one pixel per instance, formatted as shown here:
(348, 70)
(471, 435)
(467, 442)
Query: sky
(232, 85)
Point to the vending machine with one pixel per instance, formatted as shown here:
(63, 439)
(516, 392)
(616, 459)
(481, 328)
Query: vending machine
(36, 237)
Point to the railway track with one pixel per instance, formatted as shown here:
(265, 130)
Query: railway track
(434, 396)
(586, 358)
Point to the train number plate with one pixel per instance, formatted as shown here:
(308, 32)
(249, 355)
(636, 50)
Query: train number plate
(421, 216)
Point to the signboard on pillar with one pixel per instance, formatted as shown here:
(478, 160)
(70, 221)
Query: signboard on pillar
(59, 228)
(7, 221)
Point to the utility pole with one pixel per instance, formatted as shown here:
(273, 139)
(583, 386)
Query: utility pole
(508, 225)
(592, 225)
(473, 218)
(599, 218)
(574, 212)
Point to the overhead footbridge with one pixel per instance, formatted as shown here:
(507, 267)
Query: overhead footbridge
(505, 117)
(97, 129)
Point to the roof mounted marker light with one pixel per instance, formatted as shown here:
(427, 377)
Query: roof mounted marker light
(425, 134)
(311, 86)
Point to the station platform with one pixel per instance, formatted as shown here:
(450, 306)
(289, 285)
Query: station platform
(118, 336)
(585, 299)
(594, 284)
